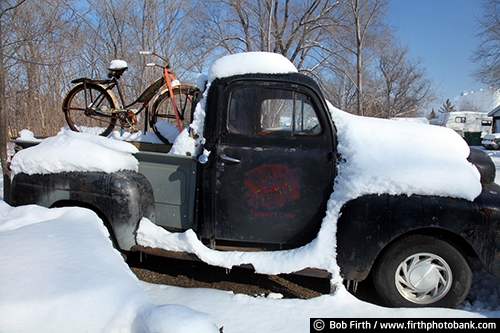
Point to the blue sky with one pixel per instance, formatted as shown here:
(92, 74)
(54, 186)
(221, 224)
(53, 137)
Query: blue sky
(442, 33)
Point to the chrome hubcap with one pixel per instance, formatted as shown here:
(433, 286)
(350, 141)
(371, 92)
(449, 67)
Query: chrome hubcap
(423, 278)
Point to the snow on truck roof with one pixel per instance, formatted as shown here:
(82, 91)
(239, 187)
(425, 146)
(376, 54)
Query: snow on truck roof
(250, 63)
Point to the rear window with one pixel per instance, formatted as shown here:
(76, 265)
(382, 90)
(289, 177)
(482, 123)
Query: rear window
(270, 111)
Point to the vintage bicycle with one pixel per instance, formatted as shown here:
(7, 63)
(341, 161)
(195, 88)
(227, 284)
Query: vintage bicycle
(92, 106)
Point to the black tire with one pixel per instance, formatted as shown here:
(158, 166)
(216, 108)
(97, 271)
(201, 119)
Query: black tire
(77, 115)
(163, 109)
(443, 274)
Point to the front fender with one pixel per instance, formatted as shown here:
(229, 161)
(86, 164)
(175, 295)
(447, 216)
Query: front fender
(369, 223)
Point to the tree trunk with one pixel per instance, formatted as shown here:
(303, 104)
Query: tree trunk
(3, 126)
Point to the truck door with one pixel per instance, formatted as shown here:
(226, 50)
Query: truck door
(274, 164)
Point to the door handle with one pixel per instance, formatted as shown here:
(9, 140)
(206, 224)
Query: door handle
(226, 158)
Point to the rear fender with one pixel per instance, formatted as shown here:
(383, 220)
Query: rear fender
(123, 198)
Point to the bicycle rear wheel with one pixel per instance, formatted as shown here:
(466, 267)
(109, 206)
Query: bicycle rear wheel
(79, 107)
(163, 120)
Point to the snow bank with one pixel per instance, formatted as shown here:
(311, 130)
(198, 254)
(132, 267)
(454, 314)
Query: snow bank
(246, 314)
(60, 274)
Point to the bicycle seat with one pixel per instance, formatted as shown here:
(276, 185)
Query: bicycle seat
(118, 65)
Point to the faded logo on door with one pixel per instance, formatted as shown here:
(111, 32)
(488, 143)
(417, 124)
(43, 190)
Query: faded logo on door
(271, 186)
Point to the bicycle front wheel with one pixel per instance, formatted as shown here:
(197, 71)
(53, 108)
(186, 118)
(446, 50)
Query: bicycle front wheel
(163, 119)
(82, 108)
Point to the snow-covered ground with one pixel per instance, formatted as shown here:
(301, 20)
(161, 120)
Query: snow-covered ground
(60, 273)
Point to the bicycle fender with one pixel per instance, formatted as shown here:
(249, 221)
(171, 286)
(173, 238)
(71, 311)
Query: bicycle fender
(159, 93)
(87, 80)
(165, 90)
(101, 83)
(151, 91)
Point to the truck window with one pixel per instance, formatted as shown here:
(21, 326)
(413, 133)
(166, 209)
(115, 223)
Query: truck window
(271, 111)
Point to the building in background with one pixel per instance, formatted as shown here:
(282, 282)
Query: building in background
(483, 100)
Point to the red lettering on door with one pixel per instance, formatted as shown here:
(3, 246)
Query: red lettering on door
(271, 186)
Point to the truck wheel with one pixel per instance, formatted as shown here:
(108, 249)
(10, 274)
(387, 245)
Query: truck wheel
(419, 270)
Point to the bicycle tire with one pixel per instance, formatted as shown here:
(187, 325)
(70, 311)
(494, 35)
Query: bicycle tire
(163, 110)
(77, 114)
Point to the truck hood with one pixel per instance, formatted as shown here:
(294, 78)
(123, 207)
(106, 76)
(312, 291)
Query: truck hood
(385, 156)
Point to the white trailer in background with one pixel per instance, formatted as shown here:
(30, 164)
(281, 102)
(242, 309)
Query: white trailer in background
(465, 122)
(471, 125)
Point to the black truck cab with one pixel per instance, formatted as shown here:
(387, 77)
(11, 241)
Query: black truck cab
(270, 173)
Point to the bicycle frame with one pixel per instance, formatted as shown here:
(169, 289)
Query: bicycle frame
(168, 75)
(151, 91)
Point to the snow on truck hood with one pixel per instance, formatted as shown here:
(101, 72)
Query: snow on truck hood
(403, 158)
(378, 156)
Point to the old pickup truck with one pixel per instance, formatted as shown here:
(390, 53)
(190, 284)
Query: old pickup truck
(260, 181)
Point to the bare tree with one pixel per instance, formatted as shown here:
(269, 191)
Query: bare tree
(5, 7)
(487, 54)
(51, 42)
(404, 88)
(38, 45)
(339, 84)
(363, 37)
(296, 29)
